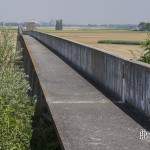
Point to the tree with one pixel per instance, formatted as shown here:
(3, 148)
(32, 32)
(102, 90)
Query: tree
(59, 25)
(143, 26)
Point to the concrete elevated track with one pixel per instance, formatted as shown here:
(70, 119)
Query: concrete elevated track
(88, 93)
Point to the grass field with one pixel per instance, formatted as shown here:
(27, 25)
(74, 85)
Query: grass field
(92, 36)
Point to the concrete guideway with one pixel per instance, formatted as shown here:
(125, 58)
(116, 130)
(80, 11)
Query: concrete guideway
(85, 119)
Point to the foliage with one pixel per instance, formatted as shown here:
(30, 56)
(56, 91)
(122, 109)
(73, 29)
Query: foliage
(44, 136)
(143, 26)
(7, 48)
(16, 110)
(16, 107)
(146, 45)
(119, 42)
(59, 24)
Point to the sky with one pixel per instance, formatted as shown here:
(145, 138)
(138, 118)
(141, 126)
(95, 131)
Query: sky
(76, 11)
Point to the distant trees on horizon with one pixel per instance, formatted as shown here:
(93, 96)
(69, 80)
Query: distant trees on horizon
(59, 24)
(144, 26)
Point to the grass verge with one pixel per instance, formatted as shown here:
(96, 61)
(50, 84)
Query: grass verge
(119, 42)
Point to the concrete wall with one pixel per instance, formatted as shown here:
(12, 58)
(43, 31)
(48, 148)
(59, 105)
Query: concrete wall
(124, 80)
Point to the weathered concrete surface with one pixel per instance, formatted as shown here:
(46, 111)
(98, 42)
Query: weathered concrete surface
(124, 80)
(85, 119)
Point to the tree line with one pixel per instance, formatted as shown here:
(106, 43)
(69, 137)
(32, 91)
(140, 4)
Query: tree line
(144, 26)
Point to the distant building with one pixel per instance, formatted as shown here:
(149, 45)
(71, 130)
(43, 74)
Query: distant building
(30, 26)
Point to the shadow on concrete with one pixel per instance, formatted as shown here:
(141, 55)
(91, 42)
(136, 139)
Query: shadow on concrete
(131, 111)
(44, 136)
(139, 117)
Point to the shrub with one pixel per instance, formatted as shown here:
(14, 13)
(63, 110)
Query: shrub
(16, 107)
(16, 110)
(144, 26)
(7, 48)
(44, 136)
(146, 45)
(119, 42)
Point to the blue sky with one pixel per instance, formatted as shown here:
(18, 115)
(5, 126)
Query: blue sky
(76, 11)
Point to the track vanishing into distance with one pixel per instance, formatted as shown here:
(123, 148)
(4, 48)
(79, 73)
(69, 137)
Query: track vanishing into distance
(84, 118)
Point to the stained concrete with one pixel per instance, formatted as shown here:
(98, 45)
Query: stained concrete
(85, 119)
(124, 80)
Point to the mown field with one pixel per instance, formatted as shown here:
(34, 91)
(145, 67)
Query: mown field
(92, 36)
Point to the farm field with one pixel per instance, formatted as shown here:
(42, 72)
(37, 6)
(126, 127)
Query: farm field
(92, 36)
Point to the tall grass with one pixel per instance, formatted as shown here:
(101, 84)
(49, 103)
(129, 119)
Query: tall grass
(7, 48)
(146, 45)
(16, 107)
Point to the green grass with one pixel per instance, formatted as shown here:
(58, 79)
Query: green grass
(16, 110)
(146, 45)
(119, 42)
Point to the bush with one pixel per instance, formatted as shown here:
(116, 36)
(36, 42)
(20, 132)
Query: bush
(119, 42)
(16, 110)
(7, 48)
(16, 107)
(144, 26)
(44, 136)
(146, 45)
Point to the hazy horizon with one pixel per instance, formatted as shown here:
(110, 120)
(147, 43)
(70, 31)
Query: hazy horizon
(76, 12)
